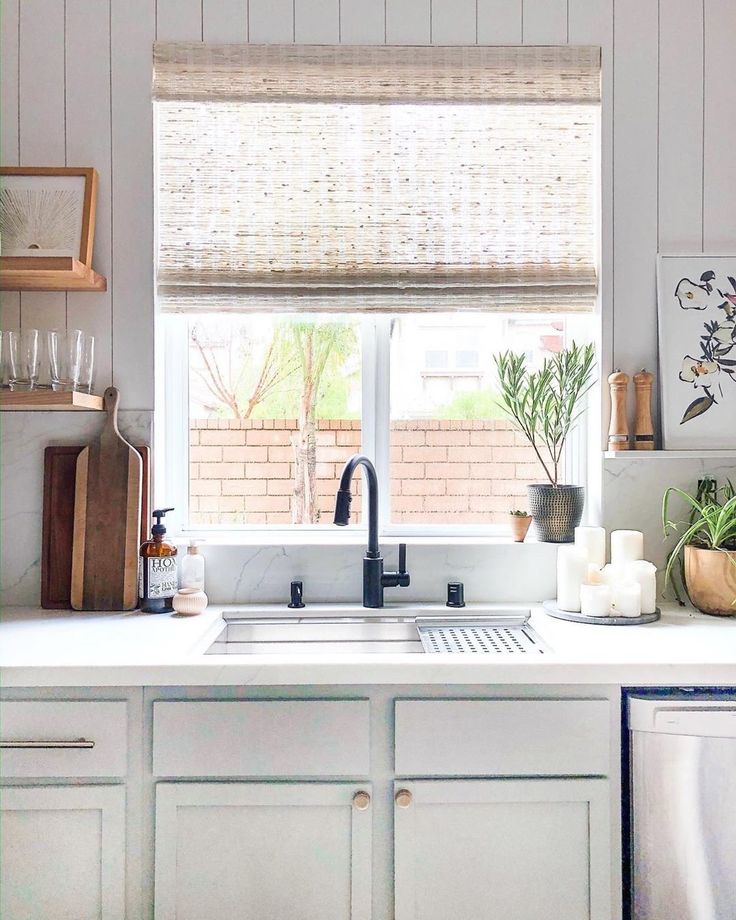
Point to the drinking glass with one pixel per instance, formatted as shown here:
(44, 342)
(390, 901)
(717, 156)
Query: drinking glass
(65, 355)
(87, 363)
(23, 359)
(4, 360)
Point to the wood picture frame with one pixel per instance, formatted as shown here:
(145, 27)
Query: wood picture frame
(88, 210)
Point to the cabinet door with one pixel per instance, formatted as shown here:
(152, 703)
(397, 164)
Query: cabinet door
(263, 851)
(521, 849)
(62, 853)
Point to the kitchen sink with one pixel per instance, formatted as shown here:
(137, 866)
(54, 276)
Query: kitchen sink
(498, 633)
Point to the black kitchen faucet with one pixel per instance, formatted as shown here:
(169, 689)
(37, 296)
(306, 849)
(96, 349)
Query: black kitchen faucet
(374, 578)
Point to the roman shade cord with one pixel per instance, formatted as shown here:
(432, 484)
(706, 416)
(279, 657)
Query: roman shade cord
(324, 178)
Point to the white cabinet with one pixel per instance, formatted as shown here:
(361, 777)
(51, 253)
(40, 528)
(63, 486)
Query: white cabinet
(266, 851)
(62, 853)
(531, 849)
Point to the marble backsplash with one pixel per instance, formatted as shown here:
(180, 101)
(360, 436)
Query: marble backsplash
(331, 569)
(23, 437)
(633, 488)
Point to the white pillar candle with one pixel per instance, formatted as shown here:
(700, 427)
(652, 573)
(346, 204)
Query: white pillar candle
(626, 546)
(595, 600)
(626, 599)
(594, 574)
(572, 564)
(645, 574)
(593, 541)
(610, 574)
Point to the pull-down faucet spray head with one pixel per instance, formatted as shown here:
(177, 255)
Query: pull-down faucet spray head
(342, 507)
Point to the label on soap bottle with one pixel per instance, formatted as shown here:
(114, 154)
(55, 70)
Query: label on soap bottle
(157, 577)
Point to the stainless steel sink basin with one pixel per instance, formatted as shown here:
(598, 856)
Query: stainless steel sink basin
(496, 632)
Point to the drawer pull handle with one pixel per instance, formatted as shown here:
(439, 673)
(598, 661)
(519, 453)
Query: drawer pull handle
(361, 800)
(80, 743)
(403, 798)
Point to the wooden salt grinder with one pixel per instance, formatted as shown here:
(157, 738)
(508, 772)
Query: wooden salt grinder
(643, 425)
(618, 430)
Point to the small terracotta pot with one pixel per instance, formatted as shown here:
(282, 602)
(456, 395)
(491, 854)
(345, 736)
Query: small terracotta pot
(710, 578)
(520, 526)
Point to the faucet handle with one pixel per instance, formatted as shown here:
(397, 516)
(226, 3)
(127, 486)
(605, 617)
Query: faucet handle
(402, 558)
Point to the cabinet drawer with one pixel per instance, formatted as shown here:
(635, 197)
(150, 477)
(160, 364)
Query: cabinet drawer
(502, 737)
(47, 739)
(279, 738)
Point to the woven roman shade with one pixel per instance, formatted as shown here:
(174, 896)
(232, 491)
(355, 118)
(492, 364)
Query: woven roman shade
(376, 178)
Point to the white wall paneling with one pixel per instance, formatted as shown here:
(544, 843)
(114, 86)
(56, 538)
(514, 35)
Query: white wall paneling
(362, 22)
(225, 20)
(499, 22)
(179, 20)
(42, 127)
(317, 22)
(635, 88)
(719, 138)
(271, 21)
(9, 23)
(408, 22)
(88, 143)
(681, 126)
(454, 22)
(545, 22)
(132, 31)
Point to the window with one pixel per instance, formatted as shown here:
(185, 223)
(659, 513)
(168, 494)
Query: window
(345, 237)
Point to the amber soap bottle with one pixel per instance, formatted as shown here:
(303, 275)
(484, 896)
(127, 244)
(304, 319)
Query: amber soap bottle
(158, 574)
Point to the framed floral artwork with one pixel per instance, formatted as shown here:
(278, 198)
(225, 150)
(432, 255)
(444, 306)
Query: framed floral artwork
(697, 351)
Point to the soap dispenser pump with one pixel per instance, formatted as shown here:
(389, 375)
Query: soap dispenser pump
(158, 576)
(192, 567)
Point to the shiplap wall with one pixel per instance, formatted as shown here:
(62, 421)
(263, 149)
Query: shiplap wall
(76, 90)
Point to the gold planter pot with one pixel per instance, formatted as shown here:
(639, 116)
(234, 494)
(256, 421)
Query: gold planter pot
(710, 577)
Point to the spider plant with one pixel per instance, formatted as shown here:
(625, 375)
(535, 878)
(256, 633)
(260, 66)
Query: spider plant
(545, 404)
(710, 524)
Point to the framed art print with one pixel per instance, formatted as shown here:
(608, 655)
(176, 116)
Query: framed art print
(47, 212)
(696, 305)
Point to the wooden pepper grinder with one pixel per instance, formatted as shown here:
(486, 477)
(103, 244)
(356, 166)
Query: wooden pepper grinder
(643, 425)
(618, 430)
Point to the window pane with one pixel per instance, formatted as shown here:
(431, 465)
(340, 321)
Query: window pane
(454, 457)
(274, 412)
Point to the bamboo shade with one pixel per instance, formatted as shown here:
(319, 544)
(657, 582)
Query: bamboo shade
(382, 178)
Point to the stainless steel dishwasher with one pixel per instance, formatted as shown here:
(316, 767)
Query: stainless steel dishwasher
(683, 806)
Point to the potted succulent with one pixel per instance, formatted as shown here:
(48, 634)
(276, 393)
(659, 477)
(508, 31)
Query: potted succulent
(705, 552)
(545, 405)
(520, 521)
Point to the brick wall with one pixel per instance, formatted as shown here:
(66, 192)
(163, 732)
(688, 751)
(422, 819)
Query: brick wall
(447, 471)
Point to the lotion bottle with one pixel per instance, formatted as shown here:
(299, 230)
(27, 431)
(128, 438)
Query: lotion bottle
(192, 567)
(158, 577)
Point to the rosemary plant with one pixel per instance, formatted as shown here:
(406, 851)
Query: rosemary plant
(545, 404)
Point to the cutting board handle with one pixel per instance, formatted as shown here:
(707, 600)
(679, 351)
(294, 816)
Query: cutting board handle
(111, 399)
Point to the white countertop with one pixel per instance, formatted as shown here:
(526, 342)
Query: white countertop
(43, 648)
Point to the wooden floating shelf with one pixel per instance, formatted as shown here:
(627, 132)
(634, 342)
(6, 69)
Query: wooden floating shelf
(21, 273)
(48, 401)
(669, 454)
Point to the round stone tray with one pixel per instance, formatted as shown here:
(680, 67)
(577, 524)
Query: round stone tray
(551, 608)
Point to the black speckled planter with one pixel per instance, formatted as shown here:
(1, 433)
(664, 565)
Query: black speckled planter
(556, 510)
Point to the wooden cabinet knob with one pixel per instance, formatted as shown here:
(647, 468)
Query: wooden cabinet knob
(403, 798)
(361, 800)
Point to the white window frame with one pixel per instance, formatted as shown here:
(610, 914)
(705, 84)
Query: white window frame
(171, 437)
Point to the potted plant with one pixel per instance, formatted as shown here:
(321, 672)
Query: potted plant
(545, 405)
(705, 551)
(520, 522)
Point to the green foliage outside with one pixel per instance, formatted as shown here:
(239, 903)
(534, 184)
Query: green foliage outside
(480, 404)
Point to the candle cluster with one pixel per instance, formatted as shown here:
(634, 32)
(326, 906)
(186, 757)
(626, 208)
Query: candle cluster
(625, 587)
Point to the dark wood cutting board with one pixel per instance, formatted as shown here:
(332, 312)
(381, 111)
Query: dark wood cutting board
(107, 509)
(59, 482)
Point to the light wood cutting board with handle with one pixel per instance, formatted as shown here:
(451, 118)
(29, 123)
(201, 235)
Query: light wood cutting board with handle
(107, 503)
